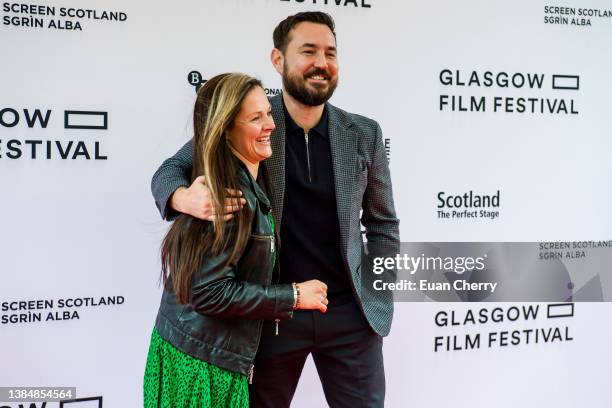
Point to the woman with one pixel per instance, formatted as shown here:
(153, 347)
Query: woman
(218, 276)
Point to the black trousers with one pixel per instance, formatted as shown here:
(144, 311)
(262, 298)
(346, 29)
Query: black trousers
(346, 352)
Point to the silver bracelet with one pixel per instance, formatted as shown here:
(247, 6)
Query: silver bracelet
(296, 295)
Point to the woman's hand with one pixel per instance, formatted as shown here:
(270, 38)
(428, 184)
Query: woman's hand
(313, 295)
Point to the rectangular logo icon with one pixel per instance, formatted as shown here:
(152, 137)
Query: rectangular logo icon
(566, 82)
(92, 402)
(560, 310)
(85, 120)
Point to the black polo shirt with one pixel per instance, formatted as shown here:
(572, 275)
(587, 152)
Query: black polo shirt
(310, 231)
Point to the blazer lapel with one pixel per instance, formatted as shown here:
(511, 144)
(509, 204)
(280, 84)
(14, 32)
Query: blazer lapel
(343, 143)
(275, 165)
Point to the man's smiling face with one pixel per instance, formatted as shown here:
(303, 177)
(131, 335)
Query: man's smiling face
(310, 65)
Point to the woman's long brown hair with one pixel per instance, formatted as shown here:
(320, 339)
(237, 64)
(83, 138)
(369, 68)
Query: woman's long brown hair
(189, 240)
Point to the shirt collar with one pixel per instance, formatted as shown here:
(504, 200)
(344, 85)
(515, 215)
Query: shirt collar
(320, 128)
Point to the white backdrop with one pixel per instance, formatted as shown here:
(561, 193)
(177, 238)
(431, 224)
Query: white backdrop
(87, 227)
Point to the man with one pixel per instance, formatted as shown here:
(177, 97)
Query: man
(327, 165)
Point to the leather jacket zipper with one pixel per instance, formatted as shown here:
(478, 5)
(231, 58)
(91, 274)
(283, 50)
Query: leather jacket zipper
(266, 237)
(272, 249)
(308, 157)
(276, 321)
(251, 373)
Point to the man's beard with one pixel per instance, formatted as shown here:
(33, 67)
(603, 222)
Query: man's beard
(296, 87)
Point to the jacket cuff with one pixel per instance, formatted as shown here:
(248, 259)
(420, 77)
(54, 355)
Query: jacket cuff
(283, 308)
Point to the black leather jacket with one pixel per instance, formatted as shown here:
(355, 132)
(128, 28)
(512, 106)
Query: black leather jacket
(223, 320)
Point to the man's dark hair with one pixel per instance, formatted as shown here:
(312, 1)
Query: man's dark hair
(282, 30)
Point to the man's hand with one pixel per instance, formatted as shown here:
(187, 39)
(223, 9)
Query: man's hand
(196, 201)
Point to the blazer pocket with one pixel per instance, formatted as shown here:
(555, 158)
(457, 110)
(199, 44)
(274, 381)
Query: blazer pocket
(362, 176)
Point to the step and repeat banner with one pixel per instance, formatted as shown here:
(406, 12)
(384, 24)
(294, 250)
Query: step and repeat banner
(496, 125)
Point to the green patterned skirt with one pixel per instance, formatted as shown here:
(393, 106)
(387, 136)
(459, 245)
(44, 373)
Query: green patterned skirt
(174, 379)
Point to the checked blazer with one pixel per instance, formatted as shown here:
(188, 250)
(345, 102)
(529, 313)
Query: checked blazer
(362, 181)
